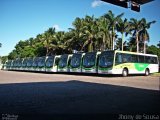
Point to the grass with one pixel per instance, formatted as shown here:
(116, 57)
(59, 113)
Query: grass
(156, 74)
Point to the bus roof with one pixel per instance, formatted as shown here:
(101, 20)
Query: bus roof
(135, 53)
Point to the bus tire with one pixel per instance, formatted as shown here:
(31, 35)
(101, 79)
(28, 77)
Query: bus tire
(125, 72)
(147, 72)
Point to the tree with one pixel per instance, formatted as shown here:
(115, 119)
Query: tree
(144, 35)
(113, 21)
(132, 44)
(88, 34)
(13, 55)
(31, 41)
(0, 44)
(90, 29)
(47, 38)
(123, 27)
(104, 34)
(74, 38)
(119, 44)
(4, 59)
(135, 27)
(158, 44)
(153, 50)
(58, 45)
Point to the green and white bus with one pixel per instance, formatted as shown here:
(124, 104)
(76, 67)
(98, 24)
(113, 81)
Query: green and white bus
(24, 64)
(29, 64)
(64, 63)
(52, 63)
(35, 64)
(7, 65)
(17, 64)
(90, 62)
(76, 62)
(123, 62)
(13, 65)
(41, 64)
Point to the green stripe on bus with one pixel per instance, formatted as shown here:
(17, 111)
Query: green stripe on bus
(140, 66)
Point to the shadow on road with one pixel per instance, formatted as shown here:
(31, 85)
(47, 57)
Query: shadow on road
(75, 98)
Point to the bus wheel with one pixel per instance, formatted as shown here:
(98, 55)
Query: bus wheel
(125, 72)
(147, 72)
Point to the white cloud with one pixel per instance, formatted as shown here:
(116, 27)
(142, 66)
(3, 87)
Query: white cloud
(57, 27)
(97, 3)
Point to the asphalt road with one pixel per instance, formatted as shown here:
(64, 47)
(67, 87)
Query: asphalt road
(39, 95)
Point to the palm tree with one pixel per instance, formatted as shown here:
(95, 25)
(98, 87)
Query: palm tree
(104, 34)
(118, 44)
(47, 38)
(123, 27)
(136, 27)
(90, 30)
(132, 44)
(58, 44)
(75, 36)
(32, 41)
(113, 21)
(144, 35)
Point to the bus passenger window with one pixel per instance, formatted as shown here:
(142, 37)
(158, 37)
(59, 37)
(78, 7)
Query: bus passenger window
(118, 59)
(134, 59)
(153, 60)
(124, 60)
(141, 59)
(147, 59)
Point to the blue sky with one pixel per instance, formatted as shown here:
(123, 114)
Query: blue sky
(22, 19)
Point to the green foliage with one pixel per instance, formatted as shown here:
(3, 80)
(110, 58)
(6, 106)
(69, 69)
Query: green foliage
(88, 34)
(153, 50)
(28, 52)
(158, 44)
(4, 59)
(13, 55)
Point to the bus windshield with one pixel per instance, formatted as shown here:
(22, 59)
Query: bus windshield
(106, 59)
(76, 60)
(35, 62)
(8, 64)
(29, 62)
(89, 59)
(63, 61)
(19, 62)
(41, 62)
(49, 62)
(24, 63)
(14, 63)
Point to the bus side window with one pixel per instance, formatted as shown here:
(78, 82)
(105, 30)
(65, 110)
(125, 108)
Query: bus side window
(118, 59)
(147, 59)
(141, 59)
(128, 58)
(125, 58)
(154, 60)
(134, 58)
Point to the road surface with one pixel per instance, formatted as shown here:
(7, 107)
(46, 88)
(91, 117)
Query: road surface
(27, 94)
